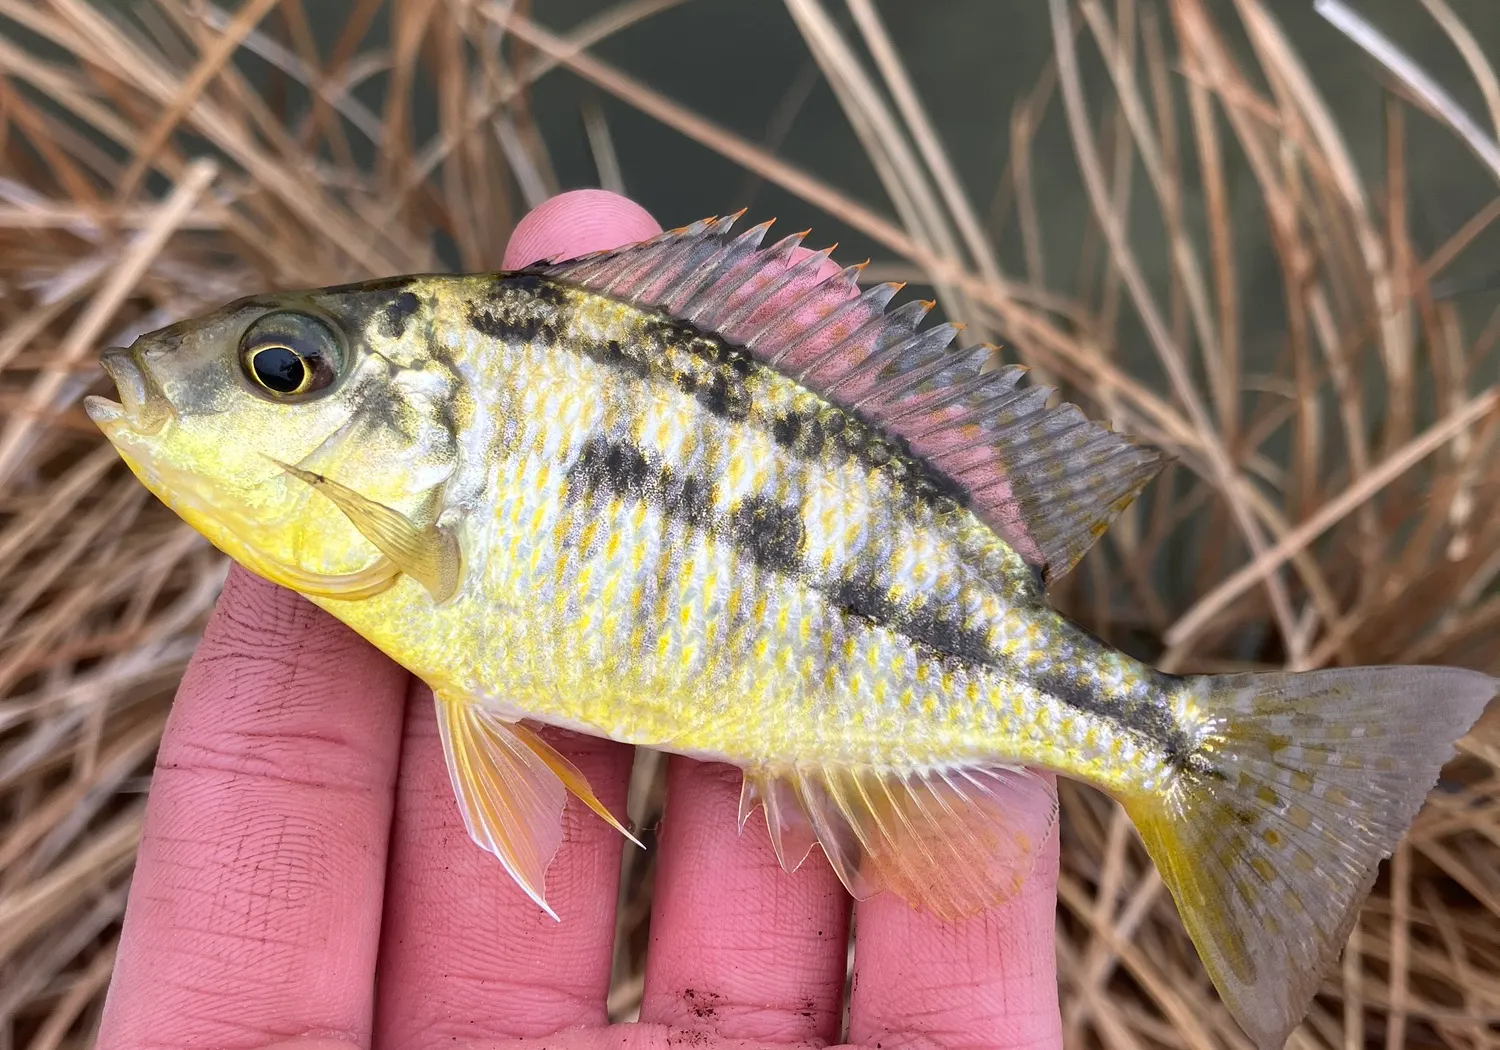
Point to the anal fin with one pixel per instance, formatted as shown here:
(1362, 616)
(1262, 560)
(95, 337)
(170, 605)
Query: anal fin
(952, 842)
(511, 787)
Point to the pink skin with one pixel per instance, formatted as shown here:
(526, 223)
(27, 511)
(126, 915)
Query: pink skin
(301, 830)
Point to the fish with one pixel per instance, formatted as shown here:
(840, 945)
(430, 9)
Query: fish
(711, 496)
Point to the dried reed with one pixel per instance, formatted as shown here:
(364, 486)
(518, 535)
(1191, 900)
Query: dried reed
(1337, 501)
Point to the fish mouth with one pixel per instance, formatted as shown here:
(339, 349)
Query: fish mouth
(142, 404)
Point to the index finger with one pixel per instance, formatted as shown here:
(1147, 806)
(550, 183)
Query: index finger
(254, 912)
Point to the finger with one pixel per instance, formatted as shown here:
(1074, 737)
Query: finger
(254, 913)
(577, 223)
(740, 949)
(987, 981)
(465, 954)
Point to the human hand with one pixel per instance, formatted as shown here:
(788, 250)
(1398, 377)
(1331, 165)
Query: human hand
(305, 880)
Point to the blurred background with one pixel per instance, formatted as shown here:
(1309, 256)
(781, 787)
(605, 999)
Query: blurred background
(1261, 235)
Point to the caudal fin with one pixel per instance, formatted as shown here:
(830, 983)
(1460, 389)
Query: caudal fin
(1270, 844)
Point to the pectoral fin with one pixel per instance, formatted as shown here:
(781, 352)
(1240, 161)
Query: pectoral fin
(428, 554)
(511, 787)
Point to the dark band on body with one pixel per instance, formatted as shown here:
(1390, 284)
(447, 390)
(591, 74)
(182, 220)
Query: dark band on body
(921, 622)
(771, 535)
(1149, 717)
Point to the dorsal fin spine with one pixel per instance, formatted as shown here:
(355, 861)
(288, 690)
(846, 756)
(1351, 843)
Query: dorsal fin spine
(763, 319)
(866, 329)
(913, 379)
(679, 292)
(719, 311)
(904, 321)
(997, 386)
(668, 272)
(916, 348)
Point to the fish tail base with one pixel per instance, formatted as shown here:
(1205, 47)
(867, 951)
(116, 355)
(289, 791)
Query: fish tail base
(1270, 838)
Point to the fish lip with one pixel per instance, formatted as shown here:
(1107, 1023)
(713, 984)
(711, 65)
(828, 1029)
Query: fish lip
(142, 404)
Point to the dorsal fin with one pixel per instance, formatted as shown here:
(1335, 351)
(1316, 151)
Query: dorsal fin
(1047, 480)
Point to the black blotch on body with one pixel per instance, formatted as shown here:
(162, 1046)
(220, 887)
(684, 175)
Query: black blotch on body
(770, 533)
(613, 353)
(628, 473)
(786, 428)
(922, 623)
(397, 313)
(714, 372)
(715, 396)
(485, 319)
(521, 307)
(615, 467)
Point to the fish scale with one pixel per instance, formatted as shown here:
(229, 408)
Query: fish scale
(696, 495)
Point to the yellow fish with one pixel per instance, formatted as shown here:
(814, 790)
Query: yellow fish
(689, 495)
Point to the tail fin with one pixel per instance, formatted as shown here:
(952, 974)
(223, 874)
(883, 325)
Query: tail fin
(1270, 844)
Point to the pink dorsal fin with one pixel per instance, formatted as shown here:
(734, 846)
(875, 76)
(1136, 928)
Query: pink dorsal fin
(1047, 480)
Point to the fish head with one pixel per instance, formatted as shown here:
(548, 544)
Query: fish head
(213, 412)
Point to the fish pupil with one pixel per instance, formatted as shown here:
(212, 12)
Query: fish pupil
(279, 369)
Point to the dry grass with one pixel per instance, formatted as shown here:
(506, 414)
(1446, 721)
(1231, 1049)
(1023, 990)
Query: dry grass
(1335, 499)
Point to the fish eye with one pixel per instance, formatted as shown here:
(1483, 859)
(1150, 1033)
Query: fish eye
(289, 355)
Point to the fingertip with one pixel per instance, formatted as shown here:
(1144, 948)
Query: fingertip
(576, 223)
